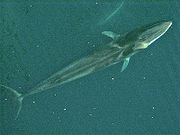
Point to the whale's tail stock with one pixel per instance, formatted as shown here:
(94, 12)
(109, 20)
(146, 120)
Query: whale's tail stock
(10, 102)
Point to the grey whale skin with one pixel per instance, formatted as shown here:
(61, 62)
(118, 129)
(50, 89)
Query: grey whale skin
(120, 49)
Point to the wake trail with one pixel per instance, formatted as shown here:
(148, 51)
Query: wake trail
(112, 14)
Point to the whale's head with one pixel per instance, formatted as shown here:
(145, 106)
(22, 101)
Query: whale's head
(146, 35)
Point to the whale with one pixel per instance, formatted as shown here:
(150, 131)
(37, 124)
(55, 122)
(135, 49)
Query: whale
(120, 49)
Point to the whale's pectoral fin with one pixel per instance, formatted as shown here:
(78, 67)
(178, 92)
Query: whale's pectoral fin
(110, 34)
(125, 64)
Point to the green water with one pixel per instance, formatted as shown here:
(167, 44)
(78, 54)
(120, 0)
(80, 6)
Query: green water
(39, 38)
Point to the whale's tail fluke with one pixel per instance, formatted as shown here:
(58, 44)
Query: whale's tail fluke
(11, 102)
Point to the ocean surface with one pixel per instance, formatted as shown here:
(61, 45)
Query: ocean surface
(38, 39)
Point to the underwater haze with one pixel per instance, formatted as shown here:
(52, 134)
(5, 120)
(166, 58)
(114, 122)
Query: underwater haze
(37, 39)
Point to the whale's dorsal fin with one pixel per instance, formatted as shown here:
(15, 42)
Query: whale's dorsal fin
(110, 34)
